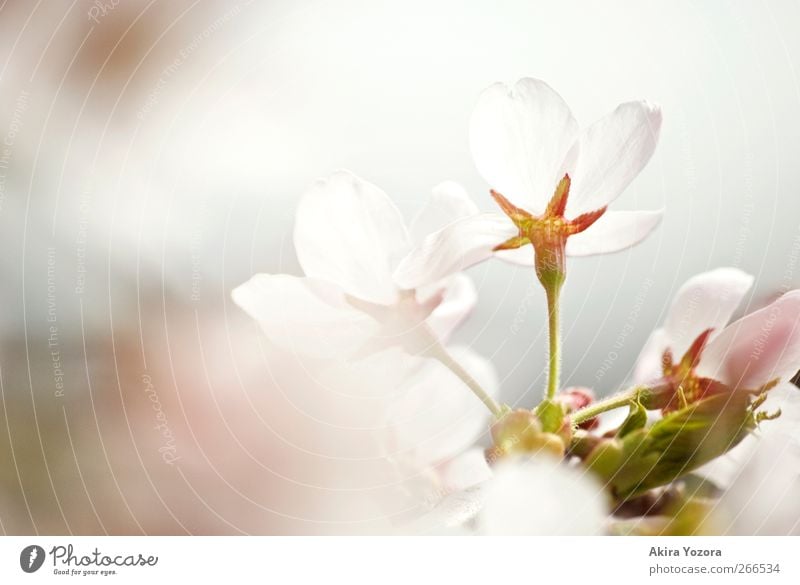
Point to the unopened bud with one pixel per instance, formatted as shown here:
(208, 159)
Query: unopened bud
(520, 433)
(575, 398)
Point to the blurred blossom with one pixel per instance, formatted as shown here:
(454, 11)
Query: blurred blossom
(349, 236)
(540, 497)
(536, 496)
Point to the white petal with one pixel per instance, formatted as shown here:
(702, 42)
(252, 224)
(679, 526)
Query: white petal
(758, 348)
(460, 298)
(304, 314)
(542, 497)
(648, 364)
(447, 203)
(454, 248)
(520, 137)
(464, 471)
(614, 231)
(705, 301)
(765, 496)
(612, 152)
(435, 417)
(452, 516)
(349, 232)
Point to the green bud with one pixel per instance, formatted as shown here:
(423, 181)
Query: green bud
(583, 443)
(606, 458)
(675, 445)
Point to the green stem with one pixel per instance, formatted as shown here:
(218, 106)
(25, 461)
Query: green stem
(437, 351)
(616, 401)
(554, 357)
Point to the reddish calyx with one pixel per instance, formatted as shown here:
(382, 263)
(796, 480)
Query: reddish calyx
(547, 233)
(683, 382)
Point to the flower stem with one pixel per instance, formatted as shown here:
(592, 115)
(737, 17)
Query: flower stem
(616, 401)
(554, 355)
(438, 352)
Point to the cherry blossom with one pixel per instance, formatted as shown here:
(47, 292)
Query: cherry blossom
(549, 177)
(349, 237)
(760, 349)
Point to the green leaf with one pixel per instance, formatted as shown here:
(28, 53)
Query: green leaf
(636, 419)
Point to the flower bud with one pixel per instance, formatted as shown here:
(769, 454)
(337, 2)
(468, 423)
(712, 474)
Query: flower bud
(673, 446)
(575, 398)
(656, 396)
(520, 433)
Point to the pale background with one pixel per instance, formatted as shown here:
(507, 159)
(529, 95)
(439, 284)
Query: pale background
(163, 148)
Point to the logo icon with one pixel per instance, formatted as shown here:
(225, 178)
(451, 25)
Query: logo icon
(31, 558)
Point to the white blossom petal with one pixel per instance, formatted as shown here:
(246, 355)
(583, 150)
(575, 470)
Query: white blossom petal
(349, 232)
(705, 301)
(454, 248)
(452, 516)
(458, 300)
(520, 137)
(758, 348)
(304, 314)
(464, 471)
(448, 202)
(764, 498)
(542, 497)
(614, 231)
(612, 152)
(434, 416)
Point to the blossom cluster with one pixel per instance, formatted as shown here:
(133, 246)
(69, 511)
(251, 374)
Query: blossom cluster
(649, 459)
